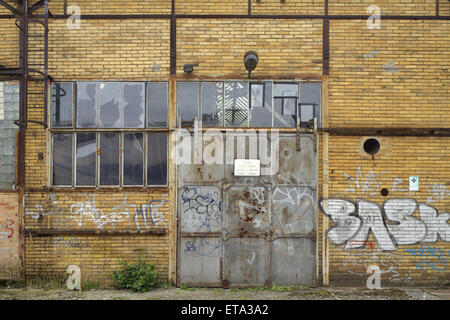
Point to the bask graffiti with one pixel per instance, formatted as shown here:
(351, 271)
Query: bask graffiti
(353, 222)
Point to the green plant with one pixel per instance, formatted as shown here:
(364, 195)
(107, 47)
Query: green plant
(140, 277)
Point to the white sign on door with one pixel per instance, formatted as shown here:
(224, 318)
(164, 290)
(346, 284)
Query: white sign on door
(247, 167)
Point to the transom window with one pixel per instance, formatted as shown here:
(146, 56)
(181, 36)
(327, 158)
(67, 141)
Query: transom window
(109, 133)
(248, 104)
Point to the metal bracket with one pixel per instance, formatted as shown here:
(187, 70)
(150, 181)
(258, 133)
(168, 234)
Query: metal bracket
(225, 235)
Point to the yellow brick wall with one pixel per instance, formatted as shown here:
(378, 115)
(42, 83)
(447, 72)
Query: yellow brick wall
(355, 175)
(9, 43)
(117, 49)
(364, 93)
(404, 7)
(113, 6)
(211, 7)
(300, 7)
(96, 255)
(100, 50)
(285, 47)
(444, 8)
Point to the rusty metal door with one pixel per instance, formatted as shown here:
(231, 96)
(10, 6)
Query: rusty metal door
(250, 231)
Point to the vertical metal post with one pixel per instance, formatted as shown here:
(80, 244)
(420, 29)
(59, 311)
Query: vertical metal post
(45, 63)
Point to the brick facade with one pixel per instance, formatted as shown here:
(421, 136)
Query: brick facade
(393, 77)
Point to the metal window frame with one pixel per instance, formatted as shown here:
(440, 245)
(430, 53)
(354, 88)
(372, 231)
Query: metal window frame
(52, 169)
(147, 106)
(122, 103)
(99, 147)
(144, 149)
(96, 161)
(248, 109)
(167, 160)
(179, 121)
(251, 84)
(74, 130)
(50, 121)
(222, 104)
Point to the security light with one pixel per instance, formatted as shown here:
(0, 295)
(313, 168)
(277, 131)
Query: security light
(250, 61)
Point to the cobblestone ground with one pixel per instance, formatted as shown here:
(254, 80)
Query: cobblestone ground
(276, 293)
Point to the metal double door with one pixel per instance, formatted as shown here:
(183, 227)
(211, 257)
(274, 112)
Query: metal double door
(250, 231)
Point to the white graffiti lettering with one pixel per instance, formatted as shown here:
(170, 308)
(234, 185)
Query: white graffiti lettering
(353, 223)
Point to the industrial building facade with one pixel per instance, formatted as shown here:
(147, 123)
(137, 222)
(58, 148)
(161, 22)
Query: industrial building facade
(134, 128)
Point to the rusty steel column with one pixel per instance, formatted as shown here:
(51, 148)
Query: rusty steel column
(20, 148)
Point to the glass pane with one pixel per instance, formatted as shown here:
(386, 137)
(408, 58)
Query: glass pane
(133, 105)
(133, 159)
(109, 99)
(311, 93)
(212, 104)
(62, 159)
(109, 159)
(62, 101)
(86, 104)
(286, 90)
(307, 112)
(187, 102)
(261, 116)
(284, 112)
(157, 158)
(236, 104)
(157, 104)
(257, 95)
(86, 159)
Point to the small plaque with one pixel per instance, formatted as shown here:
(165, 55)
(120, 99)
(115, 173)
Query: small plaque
(414, 183)
(247, 167)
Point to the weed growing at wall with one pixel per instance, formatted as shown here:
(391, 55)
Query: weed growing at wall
(140, 277)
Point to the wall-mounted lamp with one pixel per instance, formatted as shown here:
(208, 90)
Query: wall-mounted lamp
(189, 68)
(250, 61)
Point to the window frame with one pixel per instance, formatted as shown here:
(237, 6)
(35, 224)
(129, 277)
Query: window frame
(251, 82)
(97, 130)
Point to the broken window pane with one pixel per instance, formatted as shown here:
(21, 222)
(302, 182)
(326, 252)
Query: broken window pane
(261, 104)
(311, 93)
(285, 104)
(109, 159)
(109, 102)
(86, 159)
(86, 104)
(133, 159)
(157, 104)
(62, 159)
(212, 104)
(133, 105)
(157, 158)
(62, 101)
(307, 113)
(236, 104)
(187, 103)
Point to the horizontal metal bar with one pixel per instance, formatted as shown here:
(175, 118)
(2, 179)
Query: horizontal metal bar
(395, 132)
(201, 234)
(237, 16)
(49, 233)
(10, 71)
(99, 189)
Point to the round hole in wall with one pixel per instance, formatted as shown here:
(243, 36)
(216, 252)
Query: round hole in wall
(371, 146)
(384, 192)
